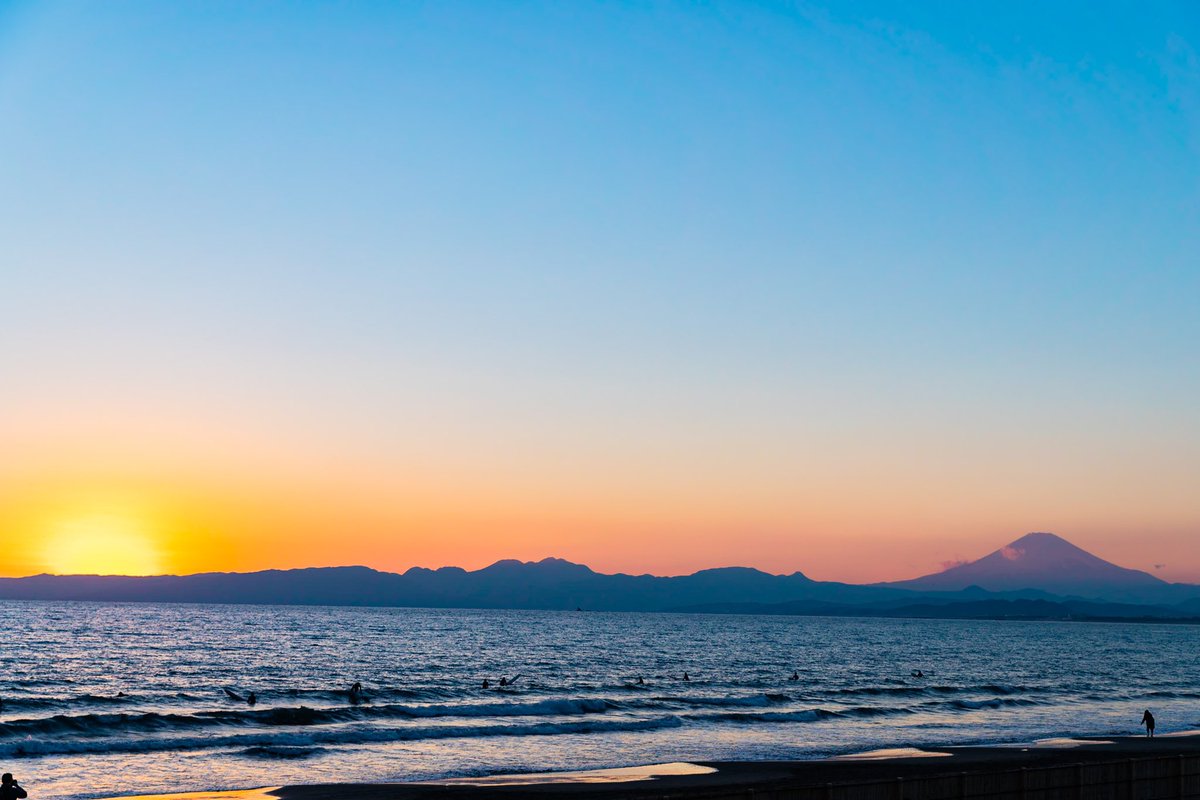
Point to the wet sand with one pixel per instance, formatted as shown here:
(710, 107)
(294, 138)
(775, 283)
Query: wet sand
(723, 779)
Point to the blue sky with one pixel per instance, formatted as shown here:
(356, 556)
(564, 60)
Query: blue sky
(619, 254)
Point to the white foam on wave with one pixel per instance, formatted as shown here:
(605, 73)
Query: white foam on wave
(615, 775)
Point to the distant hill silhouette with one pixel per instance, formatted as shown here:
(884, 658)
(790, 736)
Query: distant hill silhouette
(1034, 571)
(548, 584)
(1051, 564)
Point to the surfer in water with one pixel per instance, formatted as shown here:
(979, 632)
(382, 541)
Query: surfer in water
(356, 693)
(686, 677)
(641, 681)
(251, 699)
(1148, 721)
(507, 682)
(486, 683)
(795, 676)
(916, 673)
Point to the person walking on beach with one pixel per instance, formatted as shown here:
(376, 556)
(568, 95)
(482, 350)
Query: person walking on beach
(1148, 721)
(10, 790)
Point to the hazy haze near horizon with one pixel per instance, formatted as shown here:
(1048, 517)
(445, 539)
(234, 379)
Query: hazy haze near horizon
(651, 288)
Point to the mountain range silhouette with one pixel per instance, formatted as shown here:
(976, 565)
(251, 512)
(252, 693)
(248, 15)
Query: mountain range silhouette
(1039, 576)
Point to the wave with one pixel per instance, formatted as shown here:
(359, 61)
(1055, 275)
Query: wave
(910, 690)
(102, 724)
(98, 724)
(45, 703)
(281, 751)
(30, 748)
(371, 693)
(874, 691)
(876, 711)
(805, 715)
(995, 702)
(753, 701)
(859, 712)
(215, 695)
(565, 707)
(746, 717)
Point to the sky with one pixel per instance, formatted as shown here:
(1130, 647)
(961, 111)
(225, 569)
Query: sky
(855, 289)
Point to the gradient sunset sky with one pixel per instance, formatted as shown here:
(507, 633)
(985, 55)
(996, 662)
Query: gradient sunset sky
(854, 289)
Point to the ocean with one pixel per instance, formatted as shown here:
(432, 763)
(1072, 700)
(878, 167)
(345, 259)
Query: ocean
(105, 699)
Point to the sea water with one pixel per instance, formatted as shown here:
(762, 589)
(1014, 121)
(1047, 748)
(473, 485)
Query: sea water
(102, 698)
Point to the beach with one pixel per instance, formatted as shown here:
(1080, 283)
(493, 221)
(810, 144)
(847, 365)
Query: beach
(1122, 768)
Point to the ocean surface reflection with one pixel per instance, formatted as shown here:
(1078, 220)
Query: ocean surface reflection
(104, 699)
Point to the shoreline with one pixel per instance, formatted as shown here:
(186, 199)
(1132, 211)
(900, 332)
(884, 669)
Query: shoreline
(1125, 766)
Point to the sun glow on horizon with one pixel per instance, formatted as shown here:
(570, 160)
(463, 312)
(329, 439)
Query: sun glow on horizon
(102, 543)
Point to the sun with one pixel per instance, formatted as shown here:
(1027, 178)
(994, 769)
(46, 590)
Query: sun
(101, 544)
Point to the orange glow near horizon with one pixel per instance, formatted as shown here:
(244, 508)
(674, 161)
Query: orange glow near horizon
(150, 527)
(101, 544)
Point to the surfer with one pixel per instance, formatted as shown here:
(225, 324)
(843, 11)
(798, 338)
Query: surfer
(641, 681)
(795, 676)
(10, 789)
(686, 678)
(251, 698)
(486, 683)
(916, 673)
(356, 693)
(507, 682)
(1148, 721)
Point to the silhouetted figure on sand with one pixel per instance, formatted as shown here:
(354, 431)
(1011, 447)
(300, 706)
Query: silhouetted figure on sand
(9, 789)
(795, 676)
(1148, 721)
(251, 698)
